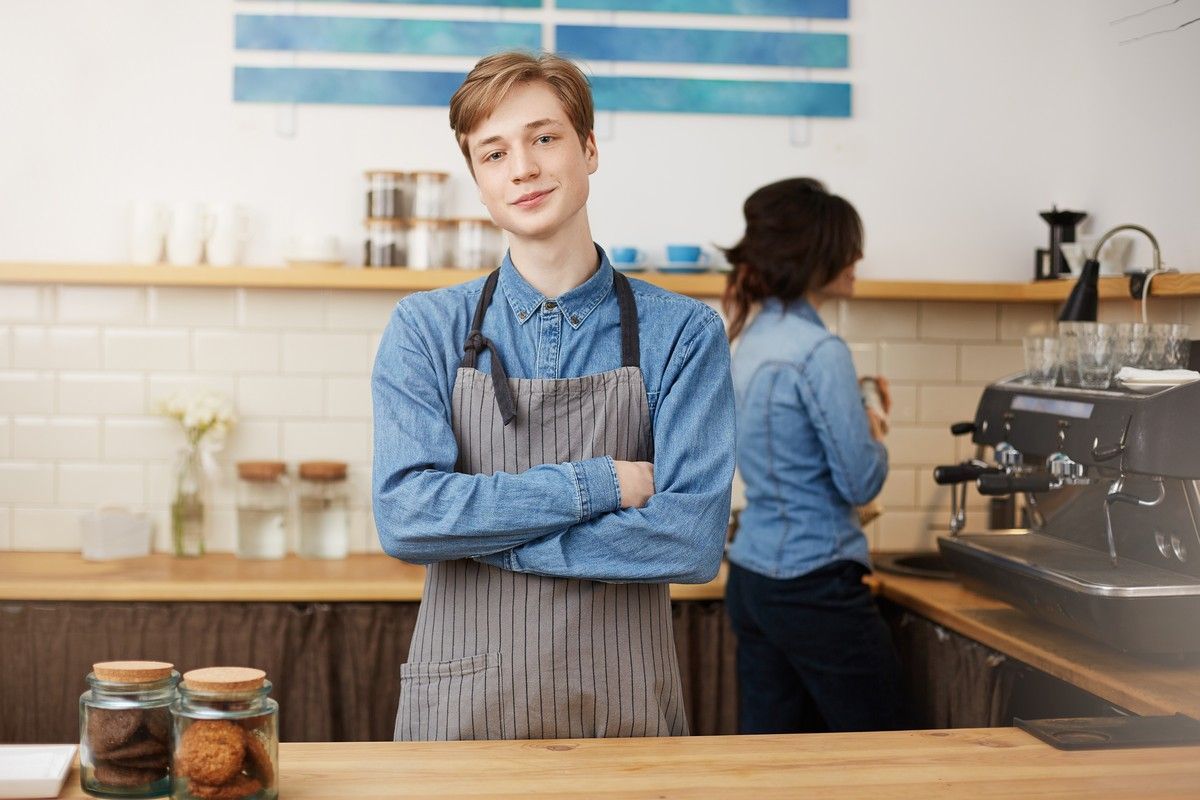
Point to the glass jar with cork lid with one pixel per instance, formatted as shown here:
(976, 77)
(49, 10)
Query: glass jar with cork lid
(262, 509)
(324, 512)
(125, 729)
(226, 736)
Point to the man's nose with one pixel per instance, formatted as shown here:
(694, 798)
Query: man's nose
(523, 165)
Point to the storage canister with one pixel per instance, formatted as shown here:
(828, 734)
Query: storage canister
(262, 509)
(385, 243)
(429, 194)
(477, 244)
(324, 512)
(125, 729)
(388, 194)
(426, 244)
(226, 736)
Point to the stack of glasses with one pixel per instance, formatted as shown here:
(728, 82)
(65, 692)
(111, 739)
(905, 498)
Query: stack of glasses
(1089, 354)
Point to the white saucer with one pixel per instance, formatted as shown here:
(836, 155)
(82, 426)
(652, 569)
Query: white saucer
(684, 267)
(34, 770)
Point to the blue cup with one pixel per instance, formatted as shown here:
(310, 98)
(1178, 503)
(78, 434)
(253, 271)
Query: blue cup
(685, 254)
(625, 255)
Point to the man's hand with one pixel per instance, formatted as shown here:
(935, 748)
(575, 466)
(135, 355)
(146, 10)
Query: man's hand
(636, 479)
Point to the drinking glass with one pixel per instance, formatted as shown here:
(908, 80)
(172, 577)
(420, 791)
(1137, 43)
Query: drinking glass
(1068, 351)
(1095, 355)
(1041, 360)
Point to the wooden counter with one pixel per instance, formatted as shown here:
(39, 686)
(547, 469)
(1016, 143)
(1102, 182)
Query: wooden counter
(705, 285)
(223, 577)
(966, 763)
(1140, 685)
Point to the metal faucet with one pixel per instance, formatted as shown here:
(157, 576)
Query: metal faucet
(1095, 256)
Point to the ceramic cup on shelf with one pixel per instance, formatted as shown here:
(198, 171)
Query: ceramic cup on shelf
(147, 230)
(230, 228)
(185, 239)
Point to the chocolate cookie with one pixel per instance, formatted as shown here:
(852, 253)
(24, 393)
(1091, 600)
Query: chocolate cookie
(109, 728)
(137, 748)
(239, 787)
(157, 722)
(143, 762)
(258, 758)
(210, 752)
(126, 777)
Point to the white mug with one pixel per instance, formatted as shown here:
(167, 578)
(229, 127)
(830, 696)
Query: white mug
(147, 227)
(229, 232)
(185, 239)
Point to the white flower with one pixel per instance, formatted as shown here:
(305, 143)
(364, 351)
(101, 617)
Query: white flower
(200, 415)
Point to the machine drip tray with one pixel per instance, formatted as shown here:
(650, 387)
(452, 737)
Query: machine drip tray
(1104, 733)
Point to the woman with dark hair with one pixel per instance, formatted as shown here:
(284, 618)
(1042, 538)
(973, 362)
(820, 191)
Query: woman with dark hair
(813, 652)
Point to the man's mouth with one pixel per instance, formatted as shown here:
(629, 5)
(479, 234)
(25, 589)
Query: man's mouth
(531, 199)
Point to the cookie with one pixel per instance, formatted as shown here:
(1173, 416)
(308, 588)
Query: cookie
(157, 722)
(109, 728)
(239, 787)
(258, 758)
(210, 752)
(125, 777)
(142, 762)
(137, 748)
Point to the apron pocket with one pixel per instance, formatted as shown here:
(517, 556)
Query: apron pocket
(451, 700)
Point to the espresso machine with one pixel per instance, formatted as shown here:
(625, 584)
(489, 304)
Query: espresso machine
(1111, 484)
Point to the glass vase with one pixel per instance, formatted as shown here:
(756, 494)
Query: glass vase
(187, 506)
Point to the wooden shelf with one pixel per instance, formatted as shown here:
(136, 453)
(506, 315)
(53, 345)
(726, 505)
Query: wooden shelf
(707, 285)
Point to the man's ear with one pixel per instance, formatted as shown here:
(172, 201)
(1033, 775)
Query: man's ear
(591, 153)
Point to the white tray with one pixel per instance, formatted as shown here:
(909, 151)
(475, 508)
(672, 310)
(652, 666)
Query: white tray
(34, 770)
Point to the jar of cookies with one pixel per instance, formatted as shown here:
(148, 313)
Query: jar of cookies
(226, 736)
(125, 729)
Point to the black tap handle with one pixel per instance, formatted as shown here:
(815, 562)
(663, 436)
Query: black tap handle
(1104, 453)
(960, 428)
(960, 473)
(1001, 484)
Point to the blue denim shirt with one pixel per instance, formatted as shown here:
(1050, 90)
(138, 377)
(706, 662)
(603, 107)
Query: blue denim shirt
(561, 520)
(804, 446)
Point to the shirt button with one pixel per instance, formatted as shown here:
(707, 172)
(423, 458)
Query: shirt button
(574, 320)
(521, 315)
(551, 305)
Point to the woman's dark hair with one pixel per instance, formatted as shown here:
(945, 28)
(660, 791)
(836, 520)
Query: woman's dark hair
(798, 238)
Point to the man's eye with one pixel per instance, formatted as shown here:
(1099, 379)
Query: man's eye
(545, 139)
(493, 156)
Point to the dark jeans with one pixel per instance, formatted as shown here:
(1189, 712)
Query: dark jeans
(813, 653)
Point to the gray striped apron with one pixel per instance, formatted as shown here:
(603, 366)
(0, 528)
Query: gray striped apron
(508, 655)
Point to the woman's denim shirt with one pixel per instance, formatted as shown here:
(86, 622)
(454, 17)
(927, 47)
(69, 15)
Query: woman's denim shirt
(804, 445)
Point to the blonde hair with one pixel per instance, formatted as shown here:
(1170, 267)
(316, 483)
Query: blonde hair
(495, 76)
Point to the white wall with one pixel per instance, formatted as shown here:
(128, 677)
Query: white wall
(969, 117)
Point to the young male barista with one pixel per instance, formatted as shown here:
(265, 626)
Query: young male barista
(555, 441)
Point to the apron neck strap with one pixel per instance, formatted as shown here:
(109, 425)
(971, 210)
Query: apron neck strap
(476, 341)
(631, 355)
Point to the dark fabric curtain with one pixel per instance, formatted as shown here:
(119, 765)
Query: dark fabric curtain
(335, 666)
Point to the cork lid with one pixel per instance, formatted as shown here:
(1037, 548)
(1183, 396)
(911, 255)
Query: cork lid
(323, 470)
(224, 679)
(260, 470)
(391, 172)
(440, 176)
(132, 671)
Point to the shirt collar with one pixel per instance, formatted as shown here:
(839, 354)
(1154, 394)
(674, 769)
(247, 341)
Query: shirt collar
(801, 308)
(576, 305)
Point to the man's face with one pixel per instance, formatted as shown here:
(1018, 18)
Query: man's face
(529, 166)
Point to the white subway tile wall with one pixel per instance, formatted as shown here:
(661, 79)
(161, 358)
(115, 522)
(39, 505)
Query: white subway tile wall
(83, 368)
